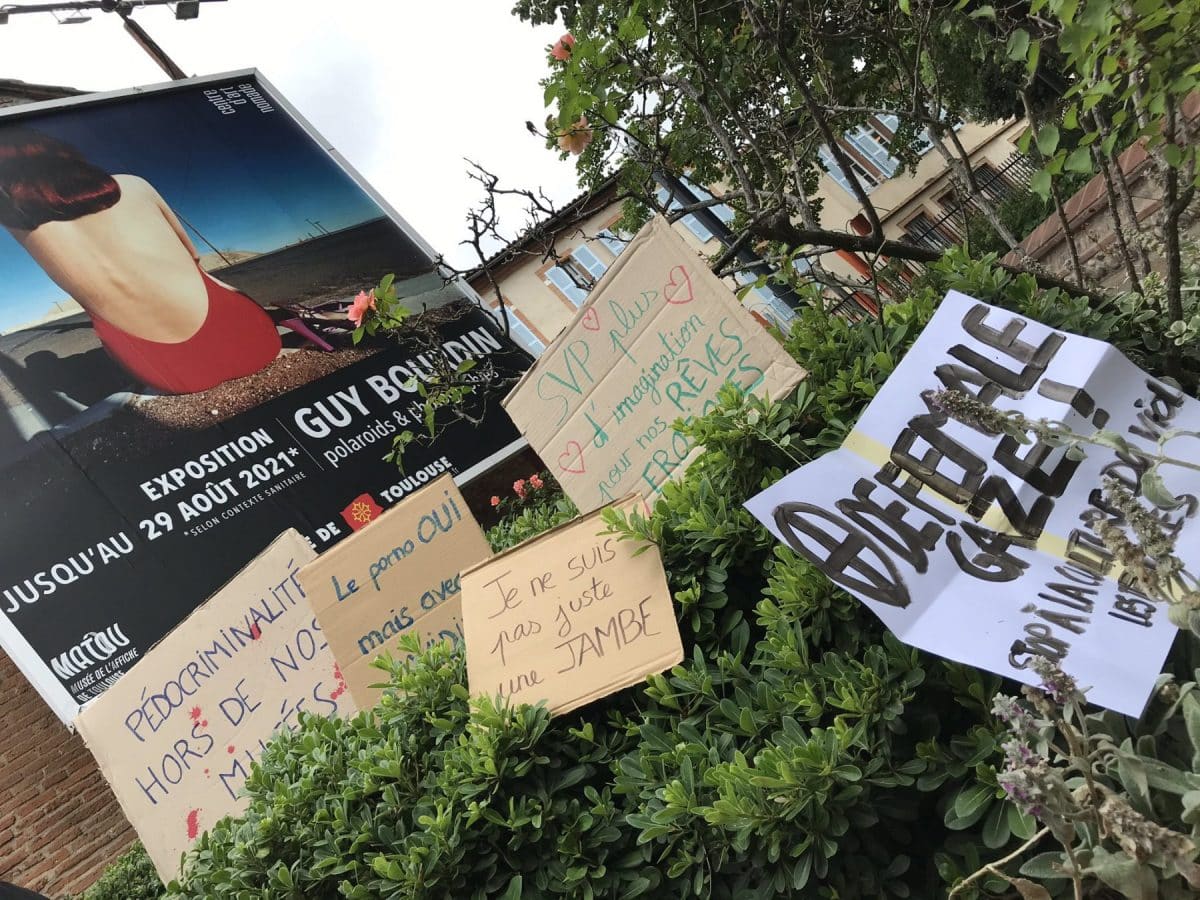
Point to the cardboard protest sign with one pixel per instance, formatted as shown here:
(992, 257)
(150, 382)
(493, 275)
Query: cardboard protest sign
(568, 617)
(176, 736)
(975, 546)
(655, 340)
(398, 576)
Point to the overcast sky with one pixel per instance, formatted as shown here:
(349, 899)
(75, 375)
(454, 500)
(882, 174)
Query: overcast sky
(403, 89)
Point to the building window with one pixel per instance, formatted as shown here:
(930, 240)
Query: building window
(763, 301)
(519, 330)
(690, 222)
(721, 210)
(612, 241)
(922, 230)
(993, 183)
(868, 180)
(566, 282)
(871, 144)
(590, 262)
(576, 274)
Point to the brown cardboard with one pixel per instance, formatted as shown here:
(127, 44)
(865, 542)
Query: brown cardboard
(398, 576)
(655, 340)
(568, 617)
(175, 737)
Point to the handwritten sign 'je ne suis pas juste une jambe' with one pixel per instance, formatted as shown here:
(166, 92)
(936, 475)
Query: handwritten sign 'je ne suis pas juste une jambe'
(568, 617)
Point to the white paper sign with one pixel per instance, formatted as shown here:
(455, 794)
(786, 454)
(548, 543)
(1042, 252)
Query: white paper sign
(979, 548)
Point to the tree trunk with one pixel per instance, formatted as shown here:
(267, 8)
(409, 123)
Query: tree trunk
(1118, 226)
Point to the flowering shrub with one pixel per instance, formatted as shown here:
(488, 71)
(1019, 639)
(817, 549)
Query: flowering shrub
(536, 490)
(377, 309)
(576, 138)
(537, 504)
(561, 50)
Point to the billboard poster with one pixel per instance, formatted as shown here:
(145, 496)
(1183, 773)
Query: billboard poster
(178, 383)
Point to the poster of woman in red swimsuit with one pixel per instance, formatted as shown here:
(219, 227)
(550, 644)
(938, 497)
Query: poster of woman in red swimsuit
(116, 248)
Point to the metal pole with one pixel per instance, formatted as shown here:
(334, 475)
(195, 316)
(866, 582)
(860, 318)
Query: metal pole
(138, 33)
(122, 8)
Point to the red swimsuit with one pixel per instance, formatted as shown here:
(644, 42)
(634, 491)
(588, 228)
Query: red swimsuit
(236, 339)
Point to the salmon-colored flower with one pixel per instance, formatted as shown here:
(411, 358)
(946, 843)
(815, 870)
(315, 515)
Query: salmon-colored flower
(576, 138)
(535, 482)
(519, 488)
(562, 50)
(495, 500)
(358, 309)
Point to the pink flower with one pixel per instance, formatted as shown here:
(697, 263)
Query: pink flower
(358, 309)
(576, 138)
(495, 500)
(562, 50)
(535, 482)
(519, 488)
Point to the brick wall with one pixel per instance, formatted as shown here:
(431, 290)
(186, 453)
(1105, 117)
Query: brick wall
(60, 825)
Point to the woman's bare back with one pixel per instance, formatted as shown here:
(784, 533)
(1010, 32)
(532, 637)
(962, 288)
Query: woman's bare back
(131, 264)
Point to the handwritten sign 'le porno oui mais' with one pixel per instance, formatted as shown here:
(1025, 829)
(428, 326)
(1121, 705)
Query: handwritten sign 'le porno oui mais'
(176, 736)
(397, 576)
(980, 548)
(654, 342)
(568, 617)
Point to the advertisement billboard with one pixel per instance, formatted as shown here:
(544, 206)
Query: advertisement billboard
(178, 380)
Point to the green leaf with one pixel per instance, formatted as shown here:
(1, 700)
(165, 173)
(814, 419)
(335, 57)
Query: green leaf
(514, 889)
(1173, 154)
(1079, 160)
(1046, 865)
(1029, 890)
(1020, 824)
(1133, 879)
(1034, 56)
(971, 799)
(1040, 183)
(995, 827)
(1111, 439)
(1155, 490)
(1047, 139)
(1018, 44)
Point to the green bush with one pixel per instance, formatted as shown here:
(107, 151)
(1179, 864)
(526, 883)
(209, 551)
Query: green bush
(131, 877)
(799, 750)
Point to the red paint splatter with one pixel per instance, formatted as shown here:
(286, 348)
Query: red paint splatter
(341, 683)
(204, 724)
(255, 631)
(195, 714)
(229, 749)
(193, 824)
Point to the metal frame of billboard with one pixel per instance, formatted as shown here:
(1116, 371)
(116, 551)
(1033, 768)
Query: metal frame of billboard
(20, 651)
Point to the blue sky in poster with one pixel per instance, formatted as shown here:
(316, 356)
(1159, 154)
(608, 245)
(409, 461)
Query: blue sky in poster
(248, 181)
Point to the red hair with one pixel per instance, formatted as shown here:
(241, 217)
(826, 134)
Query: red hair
(45, 180)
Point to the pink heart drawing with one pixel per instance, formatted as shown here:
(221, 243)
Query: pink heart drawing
(679, 285)
(573, 453)
(591, 320)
